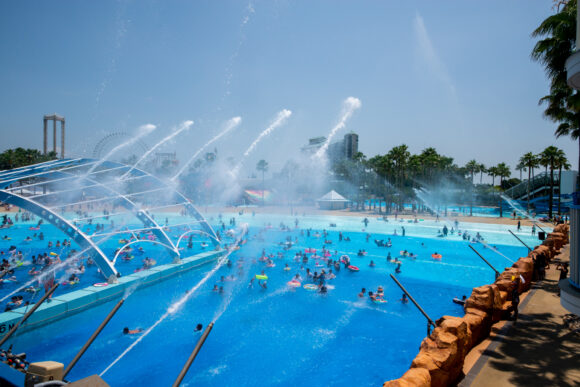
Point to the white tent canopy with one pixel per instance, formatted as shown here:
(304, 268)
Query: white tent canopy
(332, 201)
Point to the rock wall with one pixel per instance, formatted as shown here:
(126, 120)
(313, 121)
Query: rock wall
(441, 354)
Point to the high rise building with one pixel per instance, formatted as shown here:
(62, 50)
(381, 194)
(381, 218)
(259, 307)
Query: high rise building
(350, 142)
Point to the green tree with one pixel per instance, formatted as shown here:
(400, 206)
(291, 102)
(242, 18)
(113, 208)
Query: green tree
(472, 167)
(563, 103)
(503, 171)
(262, 166)
(493, 172)
(548, 158)
(530, 161)
(481, 169)
(521, 168)
(20, 157)
(561, 162)
(399, 156)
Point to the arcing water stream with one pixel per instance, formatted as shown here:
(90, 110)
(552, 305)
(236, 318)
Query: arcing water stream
(231, 124)
(280, 119)
(349, 106)
(173, 308)
(141, 132)
(184, 126)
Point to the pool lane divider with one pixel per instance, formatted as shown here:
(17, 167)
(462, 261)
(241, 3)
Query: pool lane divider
(71, 303)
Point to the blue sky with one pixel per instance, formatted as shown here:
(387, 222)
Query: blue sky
(453, 75)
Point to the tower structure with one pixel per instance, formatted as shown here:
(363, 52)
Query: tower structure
(54, 118)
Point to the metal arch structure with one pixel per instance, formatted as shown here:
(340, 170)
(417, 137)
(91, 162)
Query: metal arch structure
(135, 172)
(73, 232)
(57, 173)
(103, 141)
(191, 232)
(143, 216)
(176, 259)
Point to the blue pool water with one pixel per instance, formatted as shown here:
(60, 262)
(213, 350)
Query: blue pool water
(280, 335)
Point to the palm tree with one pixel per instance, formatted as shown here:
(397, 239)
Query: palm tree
(562, 103)
(481, 169)
(548, 157)
(503, 171)
(530, 161)
(472, 166)
(399, 155)
(522, 168)
(493, 172)
(561, 162)
(263, 167)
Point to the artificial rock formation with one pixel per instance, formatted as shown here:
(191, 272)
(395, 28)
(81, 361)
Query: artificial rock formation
(441, 354)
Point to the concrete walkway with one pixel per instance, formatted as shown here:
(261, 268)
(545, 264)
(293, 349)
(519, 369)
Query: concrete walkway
(537, 350)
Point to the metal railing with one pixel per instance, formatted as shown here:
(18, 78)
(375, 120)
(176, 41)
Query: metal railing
(538, 182)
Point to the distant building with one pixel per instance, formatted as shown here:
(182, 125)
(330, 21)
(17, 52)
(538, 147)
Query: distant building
(314, 144)
(350, 145)
(347, 148)
(165, 159)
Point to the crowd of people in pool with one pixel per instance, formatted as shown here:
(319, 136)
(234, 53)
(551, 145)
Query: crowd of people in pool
(314, 269)
(327, 260)
(47, 260)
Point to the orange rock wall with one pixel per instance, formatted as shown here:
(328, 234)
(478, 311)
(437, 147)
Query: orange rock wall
(441, 354)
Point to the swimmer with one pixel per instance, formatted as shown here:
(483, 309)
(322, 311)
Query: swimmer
(404, 299)
(128, 331)
(198, 328)
(215, 288)
(380, 291)
(398, 268)
(362, 293)
(372, 264)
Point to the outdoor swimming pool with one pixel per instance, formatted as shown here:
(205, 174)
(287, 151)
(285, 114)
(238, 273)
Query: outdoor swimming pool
(281, 335)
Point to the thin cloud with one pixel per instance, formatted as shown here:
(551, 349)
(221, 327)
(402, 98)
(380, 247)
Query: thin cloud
(430, 56)
(122, 26)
